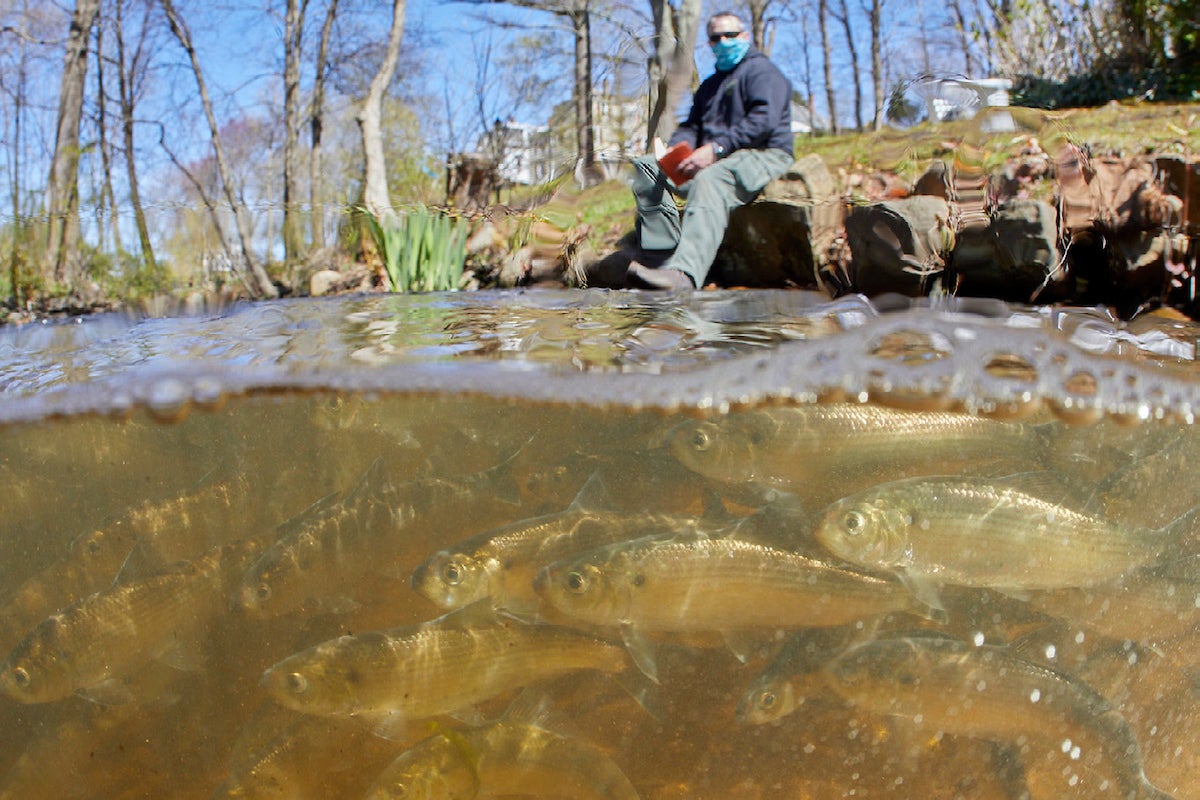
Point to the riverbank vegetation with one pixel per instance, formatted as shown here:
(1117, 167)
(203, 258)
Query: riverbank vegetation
(138, 164)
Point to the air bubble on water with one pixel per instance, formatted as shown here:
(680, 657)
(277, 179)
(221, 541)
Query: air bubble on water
(809, 748)
(208, 390)
(863, 397)
(1126, 645)
(924, 525)
(978, 638)
(168, 398)
(1079, 638)
(899, 780)
(1075, 753)
(1066, 745)
(1074, 780)
(1051, 651)
(919, 718)
(1035, 695)
(1132, 658)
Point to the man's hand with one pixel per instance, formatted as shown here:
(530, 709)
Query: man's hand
(698, 160)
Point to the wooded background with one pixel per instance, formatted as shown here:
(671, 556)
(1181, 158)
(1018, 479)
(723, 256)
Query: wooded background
(149, 144)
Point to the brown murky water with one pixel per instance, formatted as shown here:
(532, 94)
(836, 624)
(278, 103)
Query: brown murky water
(188, 503)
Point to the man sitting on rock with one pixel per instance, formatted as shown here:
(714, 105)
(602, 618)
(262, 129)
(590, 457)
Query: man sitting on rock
(740, 129)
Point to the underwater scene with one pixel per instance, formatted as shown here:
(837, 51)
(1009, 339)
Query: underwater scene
(601, 545)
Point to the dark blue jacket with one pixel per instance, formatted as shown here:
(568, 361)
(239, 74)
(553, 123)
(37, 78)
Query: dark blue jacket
(749, 106)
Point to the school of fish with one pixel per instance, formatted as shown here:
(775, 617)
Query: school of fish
(819, 600)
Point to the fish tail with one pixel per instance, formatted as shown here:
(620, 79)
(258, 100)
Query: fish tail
(1148, 791)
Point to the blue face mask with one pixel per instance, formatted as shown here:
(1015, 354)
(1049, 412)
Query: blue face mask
(730, 52)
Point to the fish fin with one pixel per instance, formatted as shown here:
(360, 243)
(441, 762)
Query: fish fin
(644, 690)
(929, 602)
(1148, 791)
(313, 511)
(593, 495)
(375, 482)
(640, 651)
(112, 692)
(746, 645)
(1183, 536)
(531, 706)
(1043, 484)
(469, 715)
(523, 610)
(1024, 595)
(140, 562)
(481, 612)
(182, 653)
(391, 725)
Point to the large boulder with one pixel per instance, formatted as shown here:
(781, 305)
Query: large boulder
(781, 238)
(1014, 257)
(899, 245)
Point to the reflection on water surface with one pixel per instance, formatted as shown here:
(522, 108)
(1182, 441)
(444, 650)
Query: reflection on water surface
(600, 545)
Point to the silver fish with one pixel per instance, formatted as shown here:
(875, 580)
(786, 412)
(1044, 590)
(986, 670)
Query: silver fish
(826, 451)
(498, 760)
(700, 585)
(92, 644)
(982, 534)
(390, 677)
(794, 675)
(985, 692)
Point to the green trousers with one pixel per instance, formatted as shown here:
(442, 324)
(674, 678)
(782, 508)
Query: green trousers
(714, 192)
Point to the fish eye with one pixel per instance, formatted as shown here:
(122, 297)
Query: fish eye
(854, 522)
(399, 790)
(297, 682)
(766, 701)
(576, 582)
(93, 543)
(452, 573)
(21, 677)
(701, 440)
(263, 592)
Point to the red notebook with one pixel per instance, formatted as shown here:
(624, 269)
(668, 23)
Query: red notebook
(670, 162)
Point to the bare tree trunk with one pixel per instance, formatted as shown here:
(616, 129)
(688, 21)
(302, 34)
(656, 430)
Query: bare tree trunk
(106, 191)
(18, 244)
(759, 24)
(874, 17)
(855, 70)
(585, 130)
(127, 71)
(827, 54)
(810, 89)
(62, 191)
(261, 285)
(316, 179)
(375, 187)
(293, 242)
(672, 67)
